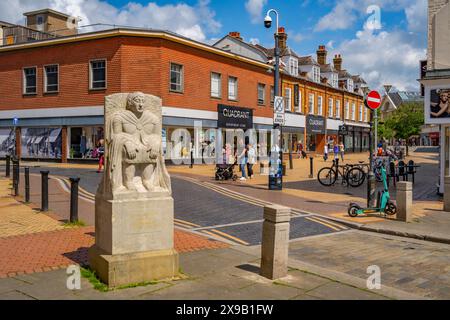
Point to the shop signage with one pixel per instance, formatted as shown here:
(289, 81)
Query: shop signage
(343, 130)
(296, 95)
(278, 112)
(234, 117)
(315, 124)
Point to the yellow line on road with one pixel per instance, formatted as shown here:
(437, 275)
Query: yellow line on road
(190, 224)
(215, 236)
(230, 237)
(323, 223)
(331, 222)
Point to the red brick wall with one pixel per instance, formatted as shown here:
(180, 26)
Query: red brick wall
(133, 64)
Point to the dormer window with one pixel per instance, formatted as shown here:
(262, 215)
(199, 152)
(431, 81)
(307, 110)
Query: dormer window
(350, 87)
(334, 80)
(293, 66)
(316, 74)
(40, 22)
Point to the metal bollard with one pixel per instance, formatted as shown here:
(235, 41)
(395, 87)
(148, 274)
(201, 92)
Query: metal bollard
(311, 167)
(44, 190)
(17, 174)
(371, 189)
(192, 159)
(8, 166)
(291, 163)
(27, 185)
(14, 174)
(74, 199)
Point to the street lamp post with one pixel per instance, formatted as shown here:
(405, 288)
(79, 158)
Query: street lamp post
(276, 87)
(371, 183)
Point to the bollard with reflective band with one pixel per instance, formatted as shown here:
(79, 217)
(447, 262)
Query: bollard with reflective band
(74, 199)
(27, 184)
(44, 190)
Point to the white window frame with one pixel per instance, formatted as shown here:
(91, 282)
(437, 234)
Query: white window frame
(40, 26)
(353, 111)
(319, 105)
(263, 86)
(45, 78)
(91, 75)
(311, 103)
(347, 110)
(272, 95)
(287, 99)
(361, 111)
(181, 72)
(298, 109)
(24, 81)
(235, 97)
(219, 89)
(350, 86)
(335, 80)
(293, 66)
(338, 109)
(330, 107)
(316, 74)
(366, 115)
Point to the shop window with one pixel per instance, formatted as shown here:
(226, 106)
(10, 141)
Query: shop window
(216, 81)
(232, 88)
(51, 78)
(176, 77)
(261, 93)
(30, 80)
(98, 74)
(84, 142)
(7, 141)
(41, 143)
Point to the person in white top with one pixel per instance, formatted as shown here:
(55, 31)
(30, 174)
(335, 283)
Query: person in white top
(251, 160)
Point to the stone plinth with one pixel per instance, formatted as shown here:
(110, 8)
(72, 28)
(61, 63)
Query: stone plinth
(404, 201)
(275, 242)
(134, 239)
(447, 194)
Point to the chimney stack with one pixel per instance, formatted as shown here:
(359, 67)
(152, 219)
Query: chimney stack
(235, 34)
(282, 39)
(322, 55)
(337, 61)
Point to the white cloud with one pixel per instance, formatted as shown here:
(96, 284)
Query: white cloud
(383, 57)
(417, 15)
(190, 21)
(254, 8)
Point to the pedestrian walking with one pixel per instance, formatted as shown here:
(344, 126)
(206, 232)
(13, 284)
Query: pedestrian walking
(243, 159)
(299, 149)
(101, 155)
(342, 150)
(325, 152)
(251, 160)
(336, 150)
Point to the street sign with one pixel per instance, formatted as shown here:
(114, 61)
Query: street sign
(343, 130)
(373, 100)
(278, 112)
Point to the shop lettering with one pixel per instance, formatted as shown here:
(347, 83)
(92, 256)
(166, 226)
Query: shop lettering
(236, 114)
(316, 122)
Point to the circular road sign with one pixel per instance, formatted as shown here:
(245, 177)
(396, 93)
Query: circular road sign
(373, 100)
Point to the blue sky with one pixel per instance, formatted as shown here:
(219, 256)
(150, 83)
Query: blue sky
(389, 53)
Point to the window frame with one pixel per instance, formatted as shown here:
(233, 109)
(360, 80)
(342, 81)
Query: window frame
(272, 95)
(330, 107)
(353, 111)
(181, 90)
(311, 103)
(91, 74)
(298, 109)
(45, 84)
(219, 96)
(235, 88)
(293, 66)
(286, 90)
(347, 110)
(263, 92)
(337, 109)
(24, 81)
(319, 105)
(361, 113)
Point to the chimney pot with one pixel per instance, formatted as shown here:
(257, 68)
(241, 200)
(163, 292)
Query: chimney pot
(322, 55)
(235, 34)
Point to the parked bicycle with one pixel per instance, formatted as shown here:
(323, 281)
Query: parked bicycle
(351, 175)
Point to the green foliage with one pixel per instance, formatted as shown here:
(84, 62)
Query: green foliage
(403, 122)
(92, 277)
(78, 223)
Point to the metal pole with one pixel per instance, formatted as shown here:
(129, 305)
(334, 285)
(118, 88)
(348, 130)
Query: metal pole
(27, 185)
(192, 159)
(74, 199)
(311, 167)
(291, 164)
(14, 172)
(371, 177)
(8, 166)
(44, 190)
(376, 129)
(17, 171)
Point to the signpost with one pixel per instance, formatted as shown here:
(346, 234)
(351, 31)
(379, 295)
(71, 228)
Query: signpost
(278, 113)
(276, 165)
(15, 123)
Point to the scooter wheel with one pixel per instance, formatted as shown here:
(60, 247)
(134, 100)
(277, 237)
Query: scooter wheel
(390, 209)
(353, 210)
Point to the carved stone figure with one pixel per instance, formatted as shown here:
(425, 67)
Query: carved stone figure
(134, 157)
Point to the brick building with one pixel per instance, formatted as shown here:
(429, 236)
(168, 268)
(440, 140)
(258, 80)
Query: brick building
(51, 98)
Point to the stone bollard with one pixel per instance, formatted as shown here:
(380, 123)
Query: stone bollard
(275, 242)
(404, 201)
(264, 168)
(447, 194)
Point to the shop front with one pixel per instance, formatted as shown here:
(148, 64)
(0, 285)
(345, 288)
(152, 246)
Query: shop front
(315, 133)
(7, 142)
(356, 138)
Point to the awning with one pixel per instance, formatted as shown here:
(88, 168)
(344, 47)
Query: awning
(37, 140)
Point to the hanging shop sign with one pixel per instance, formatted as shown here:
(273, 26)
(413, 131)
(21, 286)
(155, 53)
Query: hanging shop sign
(234, 117)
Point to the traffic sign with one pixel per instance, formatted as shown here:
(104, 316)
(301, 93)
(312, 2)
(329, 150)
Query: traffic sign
(278, 112)
(373, 100)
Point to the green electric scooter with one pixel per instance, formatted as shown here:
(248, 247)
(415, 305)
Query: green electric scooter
(384, 205)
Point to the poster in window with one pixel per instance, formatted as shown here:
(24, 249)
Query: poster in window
(439, 103)
(7, 141)
(41, 143)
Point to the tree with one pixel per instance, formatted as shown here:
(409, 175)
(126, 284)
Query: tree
(404, 122)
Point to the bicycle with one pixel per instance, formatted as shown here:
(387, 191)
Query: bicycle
(350, 174)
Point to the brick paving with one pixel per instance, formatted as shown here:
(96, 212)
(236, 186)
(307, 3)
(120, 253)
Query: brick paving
(46, 251)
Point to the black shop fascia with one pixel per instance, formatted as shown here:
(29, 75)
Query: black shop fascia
(231, 117)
